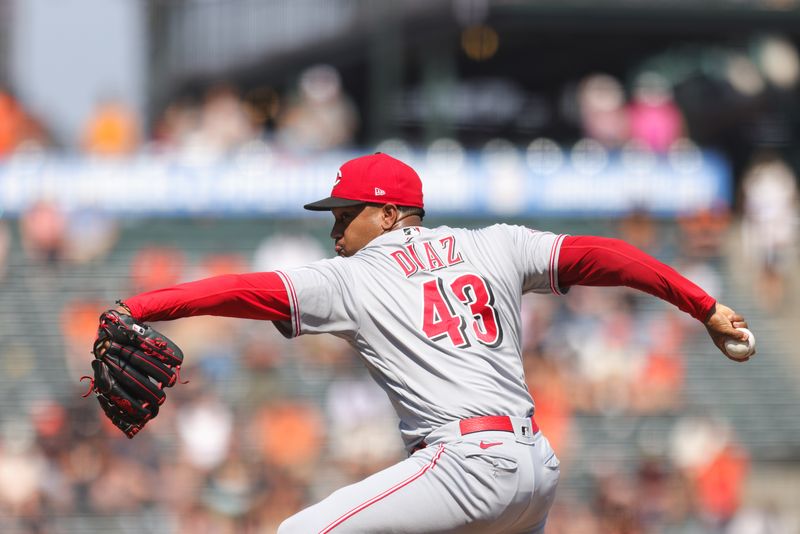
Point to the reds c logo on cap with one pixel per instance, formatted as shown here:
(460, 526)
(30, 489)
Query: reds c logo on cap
(373, 178)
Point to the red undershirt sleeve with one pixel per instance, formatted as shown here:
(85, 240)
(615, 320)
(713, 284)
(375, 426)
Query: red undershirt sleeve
(248, 296)
(601, 261)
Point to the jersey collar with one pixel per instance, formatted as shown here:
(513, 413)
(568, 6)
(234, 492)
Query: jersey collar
(400, 235)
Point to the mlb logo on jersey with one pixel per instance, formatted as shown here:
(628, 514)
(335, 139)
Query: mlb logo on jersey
(410, 232)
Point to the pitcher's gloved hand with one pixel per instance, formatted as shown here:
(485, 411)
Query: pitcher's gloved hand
(132, 366)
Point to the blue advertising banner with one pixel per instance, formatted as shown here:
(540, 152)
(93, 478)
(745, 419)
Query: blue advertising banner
(582, 184)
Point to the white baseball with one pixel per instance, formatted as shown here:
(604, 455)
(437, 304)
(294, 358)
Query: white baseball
(741, 349)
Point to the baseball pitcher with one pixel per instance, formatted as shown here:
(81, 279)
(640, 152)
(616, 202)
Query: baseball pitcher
(435, 315)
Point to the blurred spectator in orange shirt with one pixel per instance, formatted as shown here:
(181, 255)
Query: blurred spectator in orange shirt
(549, 380)
(300, 420)
(112, 130)
(12, 120)
(720, 483)
(154, 266)
(659, 381)
(17, 127)
(78, 321)
(705, 452)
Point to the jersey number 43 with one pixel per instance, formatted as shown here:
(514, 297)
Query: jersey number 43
(440, 319)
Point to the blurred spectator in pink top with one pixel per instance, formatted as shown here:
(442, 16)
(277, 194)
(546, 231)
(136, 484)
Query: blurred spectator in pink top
(154, 267)
(43, 228)
(655, 119)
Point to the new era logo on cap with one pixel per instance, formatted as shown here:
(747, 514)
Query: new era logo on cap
(375, 178)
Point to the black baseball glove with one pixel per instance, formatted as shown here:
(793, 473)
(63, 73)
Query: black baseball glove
(132, 366)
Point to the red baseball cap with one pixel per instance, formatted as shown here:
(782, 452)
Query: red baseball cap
(375, 178)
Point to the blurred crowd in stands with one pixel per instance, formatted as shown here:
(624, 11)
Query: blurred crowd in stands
(317, 115)
(710, 93)
(217, 458)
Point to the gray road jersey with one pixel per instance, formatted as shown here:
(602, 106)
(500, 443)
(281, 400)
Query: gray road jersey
(435, 315)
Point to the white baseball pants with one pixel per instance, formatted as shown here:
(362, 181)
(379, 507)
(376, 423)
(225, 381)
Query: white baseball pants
(485, 482)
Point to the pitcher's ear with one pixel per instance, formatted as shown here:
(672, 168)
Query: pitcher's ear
(390, 216)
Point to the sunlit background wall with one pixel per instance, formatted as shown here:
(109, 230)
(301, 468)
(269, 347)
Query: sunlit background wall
(145, 143)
